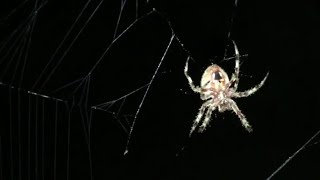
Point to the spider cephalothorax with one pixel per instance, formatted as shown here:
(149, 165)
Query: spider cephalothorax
(217, 91)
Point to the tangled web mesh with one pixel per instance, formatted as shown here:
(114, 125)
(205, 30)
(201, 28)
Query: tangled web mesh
(95, 89)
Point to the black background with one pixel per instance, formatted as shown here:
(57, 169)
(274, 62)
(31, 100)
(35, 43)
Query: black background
(278, 37)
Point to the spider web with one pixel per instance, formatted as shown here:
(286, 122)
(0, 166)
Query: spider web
(95, 89)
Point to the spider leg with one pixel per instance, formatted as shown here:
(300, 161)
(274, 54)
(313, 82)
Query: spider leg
(207, 118)
(199, 116)
(241, 116)
(235, 76)
(192, 86)
(250, 91)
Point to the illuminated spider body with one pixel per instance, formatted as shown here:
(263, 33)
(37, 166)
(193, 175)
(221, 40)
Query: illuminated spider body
(217, 91)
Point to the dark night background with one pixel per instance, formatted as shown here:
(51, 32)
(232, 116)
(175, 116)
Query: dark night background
(55, 137)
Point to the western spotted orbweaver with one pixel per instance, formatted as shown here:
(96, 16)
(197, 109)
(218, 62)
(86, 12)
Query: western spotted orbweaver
(217, 91)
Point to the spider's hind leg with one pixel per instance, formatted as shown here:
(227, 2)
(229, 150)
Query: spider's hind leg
(235, 76)
(194, 88)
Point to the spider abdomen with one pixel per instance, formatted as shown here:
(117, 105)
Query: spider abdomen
(214, 78)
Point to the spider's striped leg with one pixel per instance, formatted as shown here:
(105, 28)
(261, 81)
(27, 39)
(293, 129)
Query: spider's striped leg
(237, 56)
(235, 76)
(192, 86)
(250, 91)
(241, 116)
(207, 119)
(199, 116)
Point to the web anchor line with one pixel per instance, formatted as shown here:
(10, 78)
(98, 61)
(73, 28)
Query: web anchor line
(294, 155)
(32, 93)
(146, 92)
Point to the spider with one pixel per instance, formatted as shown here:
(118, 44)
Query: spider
(217, 91)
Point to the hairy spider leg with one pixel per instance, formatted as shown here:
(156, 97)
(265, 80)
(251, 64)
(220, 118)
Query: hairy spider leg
(235, 76)
(193, 87)
(250, 91)
(241, 116)
(199, 116)
(207, 118)
(237, 66)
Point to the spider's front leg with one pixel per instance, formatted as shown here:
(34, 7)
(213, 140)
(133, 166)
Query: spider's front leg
(241, 116)
(199, 116)
(192, 86)
(207, 119)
